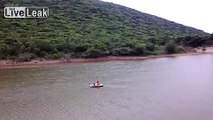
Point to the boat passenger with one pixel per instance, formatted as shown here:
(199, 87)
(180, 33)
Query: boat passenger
(97, 83)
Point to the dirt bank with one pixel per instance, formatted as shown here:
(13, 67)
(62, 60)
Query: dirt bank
(34, 63)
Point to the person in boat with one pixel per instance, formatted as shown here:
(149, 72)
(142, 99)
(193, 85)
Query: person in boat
(97, 83)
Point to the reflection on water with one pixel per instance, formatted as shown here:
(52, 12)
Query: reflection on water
(162, 89)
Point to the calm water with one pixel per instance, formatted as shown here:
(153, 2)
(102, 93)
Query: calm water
(162, 89)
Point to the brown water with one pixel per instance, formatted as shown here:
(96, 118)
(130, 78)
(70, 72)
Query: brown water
(162, 89)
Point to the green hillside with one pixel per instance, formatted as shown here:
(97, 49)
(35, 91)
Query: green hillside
(85, 28)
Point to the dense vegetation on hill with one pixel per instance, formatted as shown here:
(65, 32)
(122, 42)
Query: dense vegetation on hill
(90, 28)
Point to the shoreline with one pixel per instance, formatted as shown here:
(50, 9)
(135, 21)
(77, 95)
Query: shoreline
(37, 63)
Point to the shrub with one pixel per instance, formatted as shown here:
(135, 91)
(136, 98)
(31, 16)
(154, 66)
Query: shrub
(25, 57)
(170, 47)
(82, 47)
(99, 46)
(181, 49)
(92, 52)
(124, 51)
(150, 46)
(56, 55)
(140, 49)
(129, 44)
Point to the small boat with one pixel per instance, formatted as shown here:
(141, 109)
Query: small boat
(93, 86)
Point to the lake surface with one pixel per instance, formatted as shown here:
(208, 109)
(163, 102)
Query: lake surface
(161, 89)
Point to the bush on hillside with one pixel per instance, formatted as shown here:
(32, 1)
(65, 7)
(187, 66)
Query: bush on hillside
(170, 47)
(123, 51)
(181, 49)
(92, 53)
(25, 57)
(140, 49)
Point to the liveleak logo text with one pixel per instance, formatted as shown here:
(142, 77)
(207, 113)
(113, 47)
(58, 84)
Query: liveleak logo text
(26, 12)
